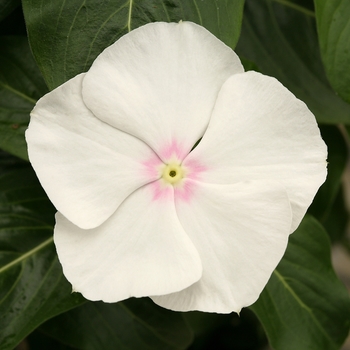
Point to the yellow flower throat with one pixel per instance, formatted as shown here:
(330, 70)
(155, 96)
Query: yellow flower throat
(172, 173)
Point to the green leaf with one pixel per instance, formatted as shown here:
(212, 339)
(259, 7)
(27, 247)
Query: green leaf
(304, 305)
(336, 221)
(37, 340)
(334, 35)
(32, 286)
(21, 85)
(129, 325)
(226, 331)
(328, 206)
(7, 6)
(9, 162)
(282, 41)
(14, 23)
(67, 36)
(337, 159)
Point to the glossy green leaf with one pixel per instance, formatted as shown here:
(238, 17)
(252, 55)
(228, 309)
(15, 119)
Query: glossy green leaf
(337, 159)
(32, 286)
(304, 305)
(129, 325)
(21, 84)
(333, 24)
(67, 36)
(282, 41)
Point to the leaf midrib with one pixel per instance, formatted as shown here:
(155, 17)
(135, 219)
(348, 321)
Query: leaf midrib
(26, 255)
(18, 93)
(302, 305)
(131, 2)
(296, 7)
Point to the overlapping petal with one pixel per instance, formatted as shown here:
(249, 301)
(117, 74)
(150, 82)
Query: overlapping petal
(140, 250)
(160, 83)
(241, 232)
(86, 166)
(260, 130)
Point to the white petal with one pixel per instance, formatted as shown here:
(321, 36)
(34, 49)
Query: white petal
(140, 250)
(86, 166)
(160, 83)
(260, 130)
(241, 232)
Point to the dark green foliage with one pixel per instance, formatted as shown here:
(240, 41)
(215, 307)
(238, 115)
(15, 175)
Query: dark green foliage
(303, 307)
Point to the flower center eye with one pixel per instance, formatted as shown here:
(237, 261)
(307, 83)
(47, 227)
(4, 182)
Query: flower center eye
(172, 173)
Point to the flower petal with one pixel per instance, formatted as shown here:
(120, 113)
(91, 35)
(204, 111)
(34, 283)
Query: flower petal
(260, 130)
(241, 232)
(160, 83)
(140, 250)
(86, 166)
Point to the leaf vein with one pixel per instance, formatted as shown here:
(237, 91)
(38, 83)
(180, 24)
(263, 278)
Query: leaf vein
(26, 255)
(302, 304)
(131, 2)
(18, 93)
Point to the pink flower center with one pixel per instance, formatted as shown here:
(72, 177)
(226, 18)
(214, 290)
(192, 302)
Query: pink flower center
(177, 173)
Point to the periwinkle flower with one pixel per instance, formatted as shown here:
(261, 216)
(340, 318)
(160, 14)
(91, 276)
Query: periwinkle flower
(141, 211)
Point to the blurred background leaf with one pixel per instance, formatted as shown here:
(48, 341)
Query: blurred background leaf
(333, 24)
(282, 42)
(67, 37)
(7, 6)
(304, 305)
(337, 218)
(32, 286)
(21, 84)
(337, 160)
(226, 332)
(128, 325)
(11, 18)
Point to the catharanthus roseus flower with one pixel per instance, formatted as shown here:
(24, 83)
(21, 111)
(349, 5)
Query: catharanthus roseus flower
(142, 213)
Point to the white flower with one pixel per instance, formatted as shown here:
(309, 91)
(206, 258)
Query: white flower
(139, 213)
